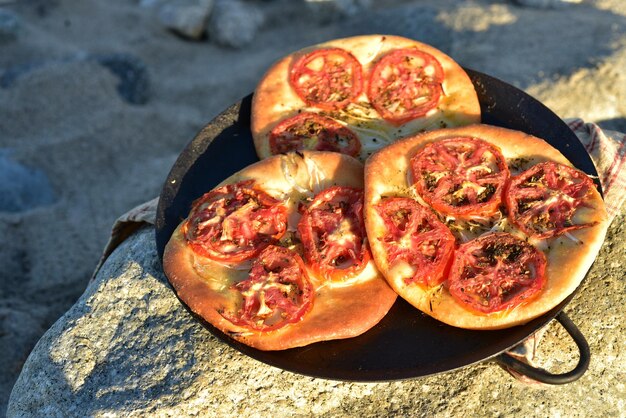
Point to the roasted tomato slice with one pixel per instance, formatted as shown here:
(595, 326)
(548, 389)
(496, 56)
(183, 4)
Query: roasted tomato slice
(235, 222)
(542, 200)
(495, 272)
(415, 235)
(405, 84)
(461, 177)
(327, 78)
(277, 291)
(333, 233)
(313, 132)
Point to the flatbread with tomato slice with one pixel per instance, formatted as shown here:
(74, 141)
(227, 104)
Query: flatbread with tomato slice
(356, 95)
(481, 227)
(276, 255)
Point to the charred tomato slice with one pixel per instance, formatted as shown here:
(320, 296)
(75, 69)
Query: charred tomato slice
(405, 84)
(277, 291)
(332, 232)
(234, 222)
(495, 272)
(415, 235)
(313, 132)
(461, 176)
(327, 78)
(542, 200)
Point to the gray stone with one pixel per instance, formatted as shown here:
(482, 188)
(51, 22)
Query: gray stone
(546, 4)
(148, 4)
(186, 17)
(129, 348)
(334, 10)
(9, 25)
(22, 188)
(133, 78)
(520, 47)
(13, 73)
(234, 23)
(20, 328)
(419, 22)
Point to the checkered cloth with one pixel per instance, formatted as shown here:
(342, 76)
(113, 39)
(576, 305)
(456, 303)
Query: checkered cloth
(606, 148)
(608, 152)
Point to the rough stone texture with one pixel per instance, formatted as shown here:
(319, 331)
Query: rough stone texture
(133, 80)
(22, 188)
(234, 23)
(9, 25)
(50, 246)
(419, 21)
(546, 4)
(334, 10)
(186, 17)
(128, 348)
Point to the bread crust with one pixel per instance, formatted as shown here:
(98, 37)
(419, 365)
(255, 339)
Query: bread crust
(274, 100)
(339, 310)
(568, 259)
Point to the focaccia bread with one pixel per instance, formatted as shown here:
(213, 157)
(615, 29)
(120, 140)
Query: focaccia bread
(481, 227)
(356, 95)
(276, 256)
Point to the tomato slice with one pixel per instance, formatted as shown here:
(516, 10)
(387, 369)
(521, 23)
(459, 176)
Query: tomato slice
(277, 291)
(543, 199)
(405, 84)
(314, 132)
(495, 272)
(235, 222)
(327, 78)
(461, 176)
(415, 235)
(333, 233)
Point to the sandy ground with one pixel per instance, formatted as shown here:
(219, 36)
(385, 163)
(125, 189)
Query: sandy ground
(98, 98)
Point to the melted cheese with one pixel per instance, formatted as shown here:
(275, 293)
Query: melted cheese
(286, 162)
(316, 176)
(342, 235)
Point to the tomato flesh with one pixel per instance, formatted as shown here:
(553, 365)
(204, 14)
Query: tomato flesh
(495, 272)
(415, 235)
(461, 176)
(543, 199)
(333, 233)
(234, 222)
(405, 84)
(314, 132)
(327, 78)
(277, 291)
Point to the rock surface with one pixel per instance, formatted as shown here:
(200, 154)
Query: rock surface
(234, 23)
(129, 348)
(22, 188)
(9, 26)
(186, 17)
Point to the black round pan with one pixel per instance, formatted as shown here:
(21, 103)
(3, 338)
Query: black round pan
(406, 343)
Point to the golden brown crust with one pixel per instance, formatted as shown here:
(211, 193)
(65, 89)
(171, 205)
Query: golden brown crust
(339, 310)
(274, 100)
(568, 259)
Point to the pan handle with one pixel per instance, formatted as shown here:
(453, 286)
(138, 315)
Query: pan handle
(544, 376)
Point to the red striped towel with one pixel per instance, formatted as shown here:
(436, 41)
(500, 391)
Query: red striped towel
(608, 153)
